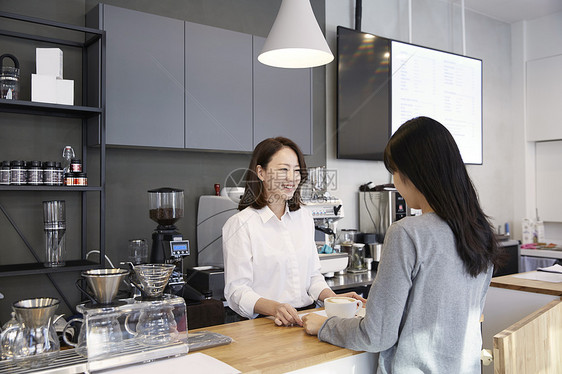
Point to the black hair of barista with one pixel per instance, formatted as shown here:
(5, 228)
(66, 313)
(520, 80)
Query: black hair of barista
(254, 193)
(424, 151)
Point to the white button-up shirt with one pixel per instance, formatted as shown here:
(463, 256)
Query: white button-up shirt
(270, 258)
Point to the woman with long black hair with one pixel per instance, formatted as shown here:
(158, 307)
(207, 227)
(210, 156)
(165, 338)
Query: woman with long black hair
(424, 306)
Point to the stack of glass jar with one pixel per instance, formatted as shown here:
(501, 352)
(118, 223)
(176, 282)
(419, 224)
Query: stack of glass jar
(75, 176)
(32, 173)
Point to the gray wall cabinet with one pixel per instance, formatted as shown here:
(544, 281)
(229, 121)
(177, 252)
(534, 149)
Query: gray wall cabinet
(218, 96)
(145, 78)
(229, 101)
(282, 102)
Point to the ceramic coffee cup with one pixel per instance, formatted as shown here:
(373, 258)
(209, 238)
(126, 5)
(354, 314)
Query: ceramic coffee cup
(341, 306)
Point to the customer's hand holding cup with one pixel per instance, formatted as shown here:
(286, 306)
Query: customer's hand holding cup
(342, 306)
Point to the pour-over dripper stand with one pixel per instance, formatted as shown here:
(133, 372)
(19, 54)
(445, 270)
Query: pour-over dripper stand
(104, 284)
(95, 305)
(151, 279)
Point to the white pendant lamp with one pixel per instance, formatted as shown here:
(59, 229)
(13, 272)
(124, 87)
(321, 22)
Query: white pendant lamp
(295, 40)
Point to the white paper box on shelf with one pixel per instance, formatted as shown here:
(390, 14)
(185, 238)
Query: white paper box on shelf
(48, 61)
(43, 88)
(65, 91)
(48, 89)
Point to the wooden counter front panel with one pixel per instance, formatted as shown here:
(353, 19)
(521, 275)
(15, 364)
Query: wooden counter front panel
(532, 345)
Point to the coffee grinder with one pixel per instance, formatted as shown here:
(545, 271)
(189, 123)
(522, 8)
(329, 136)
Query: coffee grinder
(168, 245)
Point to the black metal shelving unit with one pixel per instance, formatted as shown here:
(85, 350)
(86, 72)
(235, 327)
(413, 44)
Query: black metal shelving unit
(94, 42)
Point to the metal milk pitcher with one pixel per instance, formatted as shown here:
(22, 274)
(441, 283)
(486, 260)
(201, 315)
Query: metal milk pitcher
(36, 343)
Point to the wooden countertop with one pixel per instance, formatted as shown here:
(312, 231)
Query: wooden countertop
(529, 285)
(259, 346)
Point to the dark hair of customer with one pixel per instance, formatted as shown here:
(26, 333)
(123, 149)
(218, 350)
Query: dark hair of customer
(425, 152)
(254, 193)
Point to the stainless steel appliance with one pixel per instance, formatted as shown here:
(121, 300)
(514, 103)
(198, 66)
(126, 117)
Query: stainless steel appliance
(326, 212)
(379, 209)
(212, 214)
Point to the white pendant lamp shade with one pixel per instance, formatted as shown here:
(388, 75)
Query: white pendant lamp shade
(295, 40)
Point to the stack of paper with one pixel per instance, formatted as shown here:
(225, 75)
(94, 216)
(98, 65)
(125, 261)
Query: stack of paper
(552, 269)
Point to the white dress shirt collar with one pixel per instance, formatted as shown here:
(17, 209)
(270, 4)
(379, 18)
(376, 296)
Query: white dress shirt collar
(266, 213)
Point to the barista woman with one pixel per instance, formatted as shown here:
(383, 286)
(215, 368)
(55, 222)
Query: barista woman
(425, 303)
(270, 260)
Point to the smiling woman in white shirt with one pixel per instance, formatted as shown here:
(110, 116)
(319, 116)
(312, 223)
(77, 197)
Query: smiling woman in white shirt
(271, 263)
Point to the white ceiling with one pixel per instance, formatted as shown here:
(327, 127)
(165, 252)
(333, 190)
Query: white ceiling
(510, 11)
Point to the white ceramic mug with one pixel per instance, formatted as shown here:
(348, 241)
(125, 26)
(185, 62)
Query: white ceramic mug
(341, 306)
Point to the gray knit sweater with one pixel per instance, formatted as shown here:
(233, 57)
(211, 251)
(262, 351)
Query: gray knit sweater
(423, 309)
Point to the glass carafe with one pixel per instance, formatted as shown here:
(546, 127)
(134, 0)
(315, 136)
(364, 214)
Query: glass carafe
(36, 343)
(156, 325)
(9, 338)
(100, 337)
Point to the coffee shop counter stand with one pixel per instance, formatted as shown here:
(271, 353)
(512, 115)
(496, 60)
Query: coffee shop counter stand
(256, 346)
(259, 346)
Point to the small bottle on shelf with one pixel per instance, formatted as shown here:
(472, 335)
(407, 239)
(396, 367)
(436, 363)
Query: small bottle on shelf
(67, 156)
(59, 174)
(5, 173)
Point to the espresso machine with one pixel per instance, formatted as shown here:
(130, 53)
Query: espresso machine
(168, 245)
(326, 209)
(378, 209)
(326, 213)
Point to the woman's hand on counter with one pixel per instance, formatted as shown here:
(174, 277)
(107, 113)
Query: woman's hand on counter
(312, 323)
(353, 295)
(327, 292)
(283, 314)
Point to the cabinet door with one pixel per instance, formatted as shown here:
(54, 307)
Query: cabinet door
(218, 96)
(282, 102)
(544, 89)
(549, 179)
(144, 79)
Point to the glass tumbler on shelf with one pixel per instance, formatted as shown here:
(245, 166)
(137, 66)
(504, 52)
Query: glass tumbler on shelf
(138, 251)
(54, 218)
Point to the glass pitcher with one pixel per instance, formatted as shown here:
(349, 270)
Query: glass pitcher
(36, 343)
(9, 338)
(156, 325)
(100, 337)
